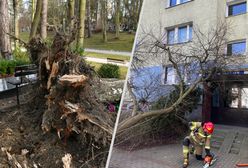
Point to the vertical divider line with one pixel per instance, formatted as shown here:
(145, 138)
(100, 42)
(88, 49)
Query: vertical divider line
(124, 89)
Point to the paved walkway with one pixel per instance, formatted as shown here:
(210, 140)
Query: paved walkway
(107, 61)
(230, 144)
(108, 52)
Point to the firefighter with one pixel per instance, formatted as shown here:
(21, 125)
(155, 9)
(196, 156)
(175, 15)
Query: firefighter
(200, 134)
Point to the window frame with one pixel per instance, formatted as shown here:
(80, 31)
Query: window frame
(178, 2)
(174, 79)
(238, 97)
(176, 37)
(236, 42)
(233, 3)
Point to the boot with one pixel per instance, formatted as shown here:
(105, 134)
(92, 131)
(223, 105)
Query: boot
(185, 163)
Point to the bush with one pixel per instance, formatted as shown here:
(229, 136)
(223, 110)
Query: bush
(109, 71)
(7, 66)
(21, 57)
(3, 66)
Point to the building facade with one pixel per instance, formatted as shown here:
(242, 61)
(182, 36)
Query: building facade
(224, 101)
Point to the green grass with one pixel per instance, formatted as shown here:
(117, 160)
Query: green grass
(123, 70)
(125, 43)
(99, 55)
(25, 36)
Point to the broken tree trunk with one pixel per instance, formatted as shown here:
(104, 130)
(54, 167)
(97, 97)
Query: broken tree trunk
(73, 105)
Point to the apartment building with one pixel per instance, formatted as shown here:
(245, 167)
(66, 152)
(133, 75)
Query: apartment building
(227, 103)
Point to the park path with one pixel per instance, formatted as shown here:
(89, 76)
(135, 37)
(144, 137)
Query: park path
(230, 144)
(108, 61)
(112, 52)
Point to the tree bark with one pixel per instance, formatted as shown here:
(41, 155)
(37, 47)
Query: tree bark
(89, 18)
(135, 103)
(136, 14)
(117, 19)
(16, 4)
(36, 19)
(80, 38)
(104, 19)
(33, 9)
(71, 13)
(140, 7)
(44, 19)
(5, 46)
(98, 25)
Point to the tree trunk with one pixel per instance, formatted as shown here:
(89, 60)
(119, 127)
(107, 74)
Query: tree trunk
(117, 19)
(140, 6)
(5, 46)
(89, 18)
(16, 4)
(104, 19)
(133, 14)
(131, 121)
(36, 19)
(33, 9)
(136, 14)
(44, 19)
(80, 38)
(71, 14)
(135, 102)
(98, 25)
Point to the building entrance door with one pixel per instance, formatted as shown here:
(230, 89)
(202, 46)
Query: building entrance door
(230, 105)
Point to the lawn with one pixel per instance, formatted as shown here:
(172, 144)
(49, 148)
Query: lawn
(125, 43)
(25, 36)
(123, 70)
(99, 55)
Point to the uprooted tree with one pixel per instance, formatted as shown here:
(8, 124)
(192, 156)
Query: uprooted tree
(194, 63)
(72, 97)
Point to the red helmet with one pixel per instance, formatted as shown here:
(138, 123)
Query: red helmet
(208, 127)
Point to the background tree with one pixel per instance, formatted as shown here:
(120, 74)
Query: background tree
(80, 38)
(16, 6)
(117, 18)
(36, 20)
(43, 32)
(33, 2)
(71, 13)
(5, 46)
(89, 27)
(104, 19)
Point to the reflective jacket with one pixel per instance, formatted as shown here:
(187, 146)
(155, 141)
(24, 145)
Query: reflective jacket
(198, 136)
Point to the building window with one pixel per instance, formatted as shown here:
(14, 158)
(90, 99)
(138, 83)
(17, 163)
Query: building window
(171, 36)
(182, 34)
(179, 34)
(238, 97)
(190, 33)
(171, 77)
(237, 9)
(173, 2)
(244, 98)
(177, 2)
(236, 48)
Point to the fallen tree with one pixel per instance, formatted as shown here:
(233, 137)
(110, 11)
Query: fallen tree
(194, 64)
(68, 105)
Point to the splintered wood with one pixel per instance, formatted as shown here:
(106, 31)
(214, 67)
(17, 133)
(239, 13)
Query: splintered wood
(74, 99)
(73, 80)
(67, 161)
